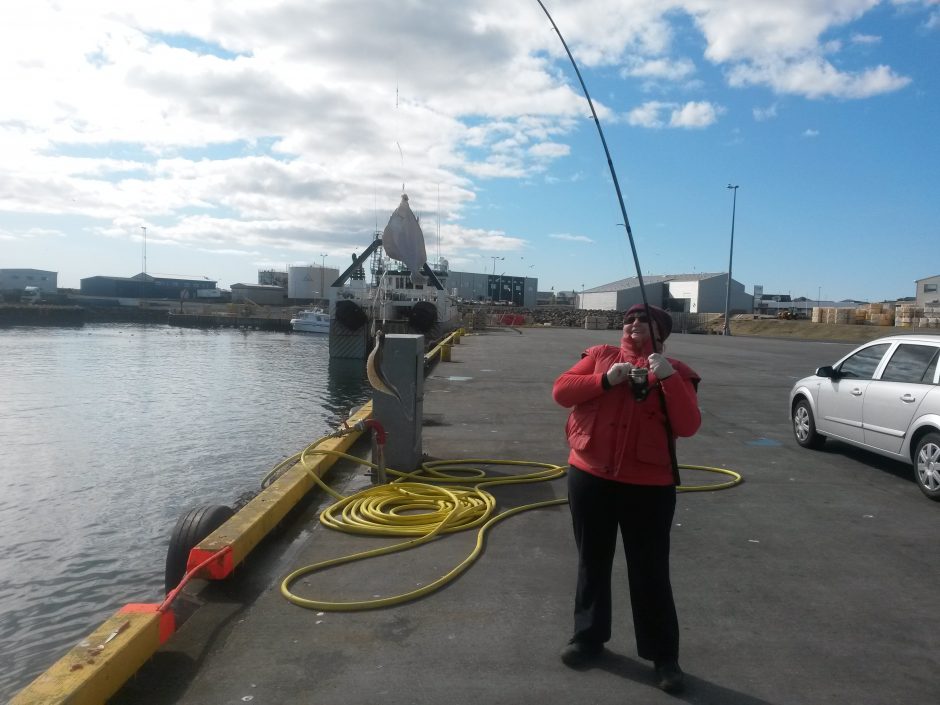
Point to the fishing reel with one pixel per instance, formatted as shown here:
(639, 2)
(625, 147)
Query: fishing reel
(639, 383)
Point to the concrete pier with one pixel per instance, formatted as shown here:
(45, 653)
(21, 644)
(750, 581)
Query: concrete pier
(814, 581)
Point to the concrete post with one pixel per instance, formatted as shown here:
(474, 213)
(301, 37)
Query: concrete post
(403, 366)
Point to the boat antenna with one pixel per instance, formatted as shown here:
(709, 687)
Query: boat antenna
(401, 154)
(610, 163)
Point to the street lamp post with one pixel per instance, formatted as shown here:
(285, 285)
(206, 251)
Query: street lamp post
(322, 274)
(494, 258)
(734, 203)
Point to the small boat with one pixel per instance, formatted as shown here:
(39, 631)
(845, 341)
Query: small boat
(312, 321)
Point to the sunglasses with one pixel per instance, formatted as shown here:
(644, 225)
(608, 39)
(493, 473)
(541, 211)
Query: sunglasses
(635, 317)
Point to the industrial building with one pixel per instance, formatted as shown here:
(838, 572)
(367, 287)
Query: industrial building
(927, 291)
(261, 294)
(145, 286)
(13, 281)
(493, 288)
(689, 293)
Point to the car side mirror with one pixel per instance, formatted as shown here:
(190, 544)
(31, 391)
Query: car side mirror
(827, 371)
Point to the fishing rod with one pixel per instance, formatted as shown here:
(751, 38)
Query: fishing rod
(626, 224)
(610, 163)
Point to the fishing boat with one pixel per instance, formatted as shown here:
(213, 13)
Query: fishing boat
(311, 321)
(406, 293)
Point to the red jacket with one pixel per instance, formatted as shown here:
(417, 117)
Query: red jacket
(612, 435)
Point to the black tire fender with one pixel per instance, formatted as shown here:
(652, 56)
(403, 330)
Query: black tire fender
(190, 530)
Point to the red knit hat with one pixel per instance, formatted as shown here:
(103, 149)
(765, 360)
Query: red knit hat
(661, 318)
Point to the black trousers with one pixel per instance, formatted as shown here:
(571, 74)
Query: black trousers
(643, 515)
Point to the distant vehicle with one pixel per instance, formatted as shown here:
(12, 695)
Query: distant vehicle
(31, 295)
(883, 397)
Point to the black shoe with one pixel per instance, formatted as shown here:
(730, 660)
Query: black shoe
(578, 654)
(669, 676)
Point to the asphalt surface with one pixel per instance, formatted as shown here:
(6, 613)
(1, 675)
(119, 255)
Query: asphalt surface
(814, 581)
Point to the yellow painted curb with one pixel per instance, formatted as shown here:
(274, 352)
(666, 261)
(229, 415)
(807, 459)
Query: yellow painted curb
(101, 664)
(251, 523)
(95, 669)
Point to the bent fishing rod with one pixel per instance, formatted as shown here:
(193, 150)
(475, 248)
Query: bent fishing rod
(626, 225)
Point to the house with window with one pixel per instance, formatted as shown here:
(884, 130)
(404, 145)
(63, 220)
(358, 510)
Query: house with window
(928, 291)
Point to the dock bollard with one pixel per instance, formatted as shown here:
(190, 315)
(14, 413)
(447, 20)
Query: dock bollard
(445, 353)
(403, 367)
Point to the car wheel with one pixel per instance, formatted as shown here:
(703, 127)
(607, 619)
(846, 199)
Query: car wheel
(927, 465)
(804, 426)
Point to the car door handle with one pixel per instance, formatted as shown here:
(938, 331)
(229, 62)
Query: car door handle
(856, 392)
(908, 398)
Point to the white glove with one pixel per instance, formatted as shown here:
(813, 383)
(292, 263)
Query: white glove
(660, 366)
(618, 372)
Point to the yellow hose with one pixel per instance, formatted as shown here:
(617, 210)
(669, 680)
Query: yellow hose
(425, 511)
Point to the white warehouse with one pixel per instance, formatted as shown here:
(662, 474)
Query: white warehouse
(691, 293)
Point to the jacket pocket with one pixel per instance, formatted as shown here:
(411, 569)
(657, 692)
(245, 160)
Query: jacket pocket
(580, 424)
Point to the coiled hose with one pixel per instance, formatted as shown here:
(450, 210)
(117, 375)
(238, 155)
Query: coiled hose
(439, 498)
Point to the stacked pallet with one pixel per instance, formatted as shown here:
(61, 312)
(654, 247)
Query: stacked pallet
(595, 322)
(878, 314)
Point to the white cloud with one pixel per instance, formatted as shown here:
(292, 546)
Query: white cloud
(648, 114)
(290, 124)
(695, 115)
(550, 150)
(690, 115)
(817, 78)
(858, 38)
(764, 114)
(811, 133)
(780, 45)
(570, 238)
(660, 68)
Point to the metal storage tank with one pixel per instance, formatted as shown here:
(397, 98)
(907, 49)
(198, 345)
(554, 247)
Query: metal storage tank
(303, 282)
(310, 282)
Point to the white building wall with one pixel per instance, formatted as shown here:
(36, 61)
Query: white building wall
(598, 301)
(685, 290)
(19, 279)
(928, 290)
(712, 294)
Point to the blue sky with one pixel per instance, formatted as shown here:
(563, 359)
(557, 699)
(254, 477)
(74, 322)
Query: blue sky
(246, 135)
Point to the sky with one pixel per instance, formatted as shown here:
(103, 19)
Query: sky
(244, 135)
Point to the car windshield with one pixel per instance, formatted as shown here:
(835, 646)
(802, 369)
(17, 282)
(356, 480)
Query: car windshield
(912, 363)
(862, 365)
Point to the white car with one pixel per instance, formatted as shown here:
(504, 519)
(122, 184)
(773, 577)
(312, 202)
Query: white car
(884, 397)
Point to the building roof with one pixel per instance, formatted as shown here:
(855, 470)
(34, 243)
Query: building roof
(633, 282)
(142, 277)
(271, 287)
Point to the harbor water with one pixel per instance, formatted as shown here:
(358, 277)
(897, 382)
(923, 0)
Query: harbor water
(108, 433)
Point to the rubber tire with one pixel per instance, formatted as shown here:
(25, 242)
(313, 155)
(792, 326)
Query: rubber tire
(422, 316)
(189, 531)
(802, 417)
(931, 439)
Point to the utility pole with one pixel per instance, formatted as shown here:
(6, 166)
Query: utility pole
(734, 203)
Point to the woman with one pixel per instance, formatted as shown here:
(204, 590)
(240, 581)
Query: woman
(623, 475)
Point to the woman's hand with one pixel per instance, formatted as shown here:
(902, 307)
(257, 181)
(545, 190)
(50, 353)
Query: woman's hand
(660, 366)
(619, 372)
